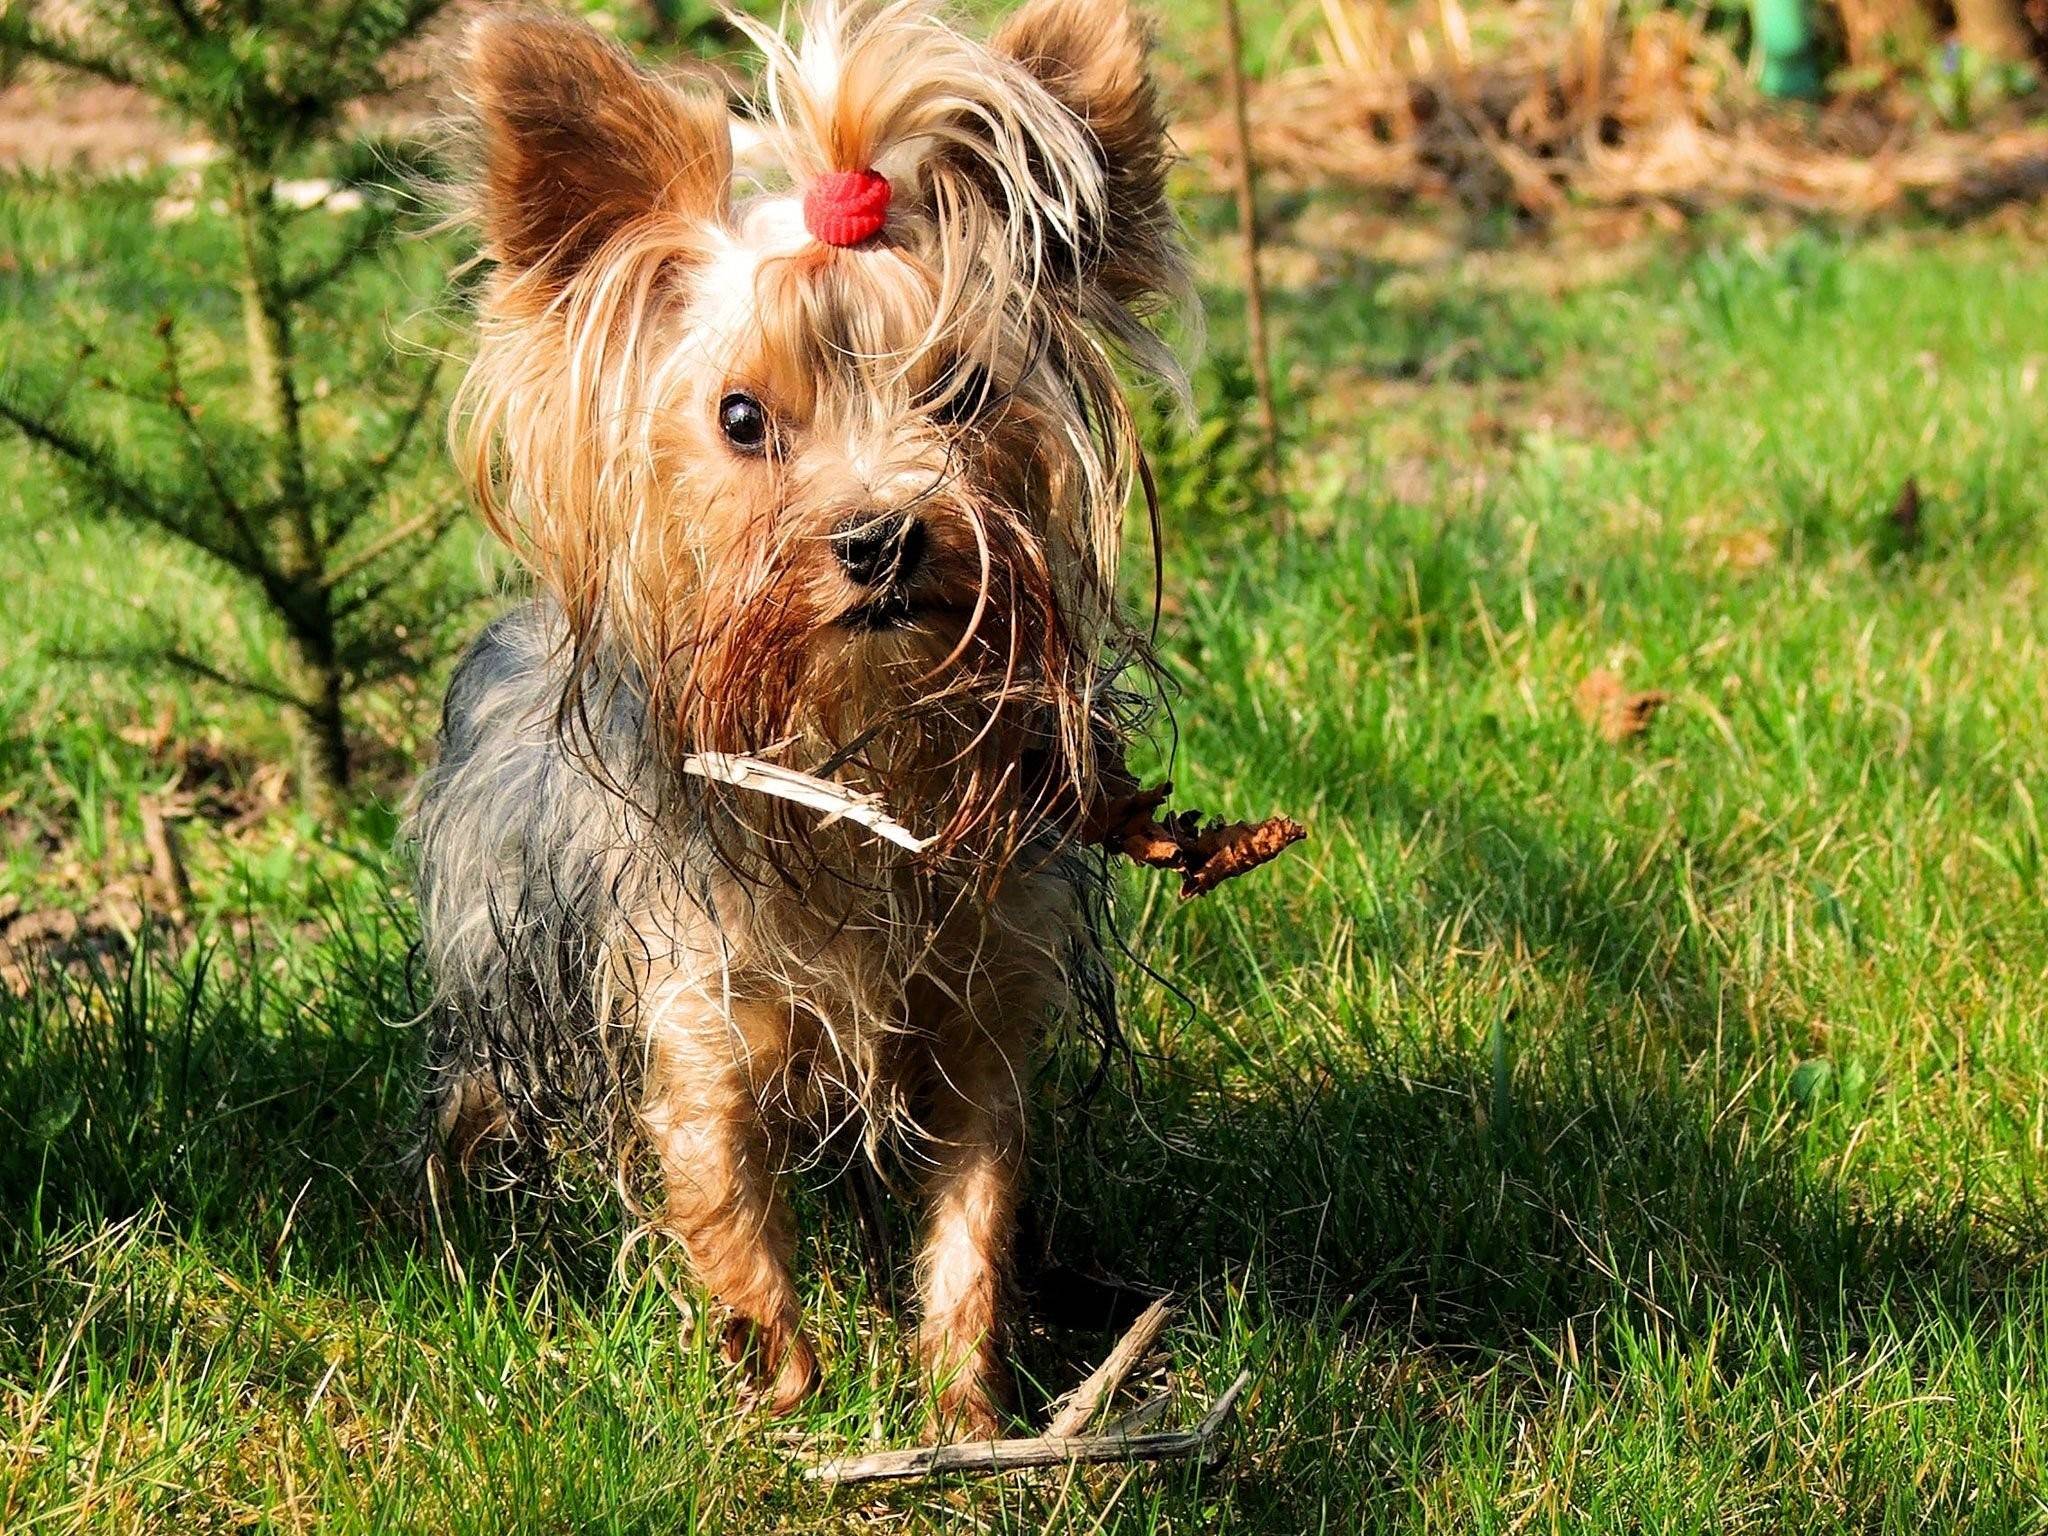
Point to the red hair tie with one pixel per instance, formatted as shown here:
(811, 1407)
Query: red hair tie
(846, 207)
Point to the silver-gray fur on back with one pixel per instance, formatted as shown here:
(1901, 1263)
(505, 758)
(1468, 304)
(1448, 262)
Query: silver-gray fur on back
(525, 850)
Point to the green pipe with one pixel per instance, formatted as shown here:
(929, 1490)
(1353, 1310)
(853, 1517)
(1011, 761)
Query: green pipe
(1783, 43)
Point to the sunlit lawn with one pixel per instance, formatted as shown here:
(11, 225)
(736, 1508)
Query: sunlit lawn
(1633, 1135)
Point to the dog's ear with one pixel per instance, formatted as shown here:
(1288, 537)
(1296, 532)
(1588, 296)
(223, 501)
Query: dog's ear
(578, 144)
(1092, 57)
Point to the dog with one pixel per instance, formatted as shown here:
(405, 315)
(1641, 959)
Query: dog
(811, 426)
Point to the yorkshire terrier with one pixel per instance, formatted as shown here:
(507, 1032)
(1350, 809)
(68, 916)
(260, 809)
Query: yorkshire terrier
(812, 427)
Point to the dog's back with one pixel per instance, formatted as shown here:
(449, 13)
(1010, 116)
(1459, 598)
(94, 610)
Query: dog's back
(523, 828)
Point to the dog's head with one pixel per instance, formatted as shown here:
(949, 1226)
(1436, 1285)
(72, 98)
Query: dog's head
(831, 441)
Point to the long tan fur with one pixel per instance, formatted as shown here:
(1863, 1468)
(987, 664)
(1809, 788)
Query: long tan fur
(955, 378)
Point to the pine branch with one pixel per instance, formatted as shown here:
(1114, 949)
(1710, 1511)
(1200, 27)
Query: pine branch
(20, 34)
(93, 464)
(417, 16)
(373, 659)
(372, 231)
(340, 34)
(185, 661)
(202, 449)
(187, 18)
(429, 526)
(177, 659)
(269, 325)
(357, 604)
(360, 54)
(353, 496)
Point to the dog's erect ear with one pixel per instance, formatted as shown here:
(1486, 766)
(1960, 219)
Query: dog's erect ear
(578, 143)
(1092, 58)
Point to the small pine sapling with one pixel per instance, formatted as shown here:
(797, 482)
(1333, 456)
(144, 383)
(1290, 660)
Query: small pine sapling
(292, 481)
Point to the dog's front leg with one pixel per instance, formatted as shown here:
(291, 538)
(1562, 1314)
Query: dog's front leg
(702, 1113)
(976, 1127)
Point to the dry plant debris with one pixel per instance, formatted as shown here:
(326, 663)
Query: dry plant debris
(1616, 712)
(38, 945)
(1062, 1444)
(1125, 821)
(1583, 102)
(1205, 855)
(835, 802)
(1086, 1400)
(1746, 550)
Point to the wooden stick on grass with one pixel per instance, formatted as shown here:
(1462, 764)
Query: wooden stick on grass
(166, 859)
(1102, 1382)
(1128, 1424)
(996, 1456)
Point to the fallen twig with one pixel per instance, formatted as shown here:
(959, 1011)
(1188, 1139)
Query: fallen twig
(1593, 106)
(996, 1456)
(1125, 822)
(1128, 1424)
(166, 859)
(836, 801)
(1102, 1382)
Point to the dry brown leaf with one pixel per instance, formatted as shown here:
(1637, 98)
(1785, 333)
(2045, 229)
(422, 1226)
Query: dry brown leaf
(155, 737)
(1619, 715)
(1746, 550)
(1205, 856)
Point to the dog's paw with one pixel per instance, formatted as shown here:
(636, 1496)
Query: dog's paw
(968, 1422)
(781, 1362)
(972, 1405)
(795, 1379)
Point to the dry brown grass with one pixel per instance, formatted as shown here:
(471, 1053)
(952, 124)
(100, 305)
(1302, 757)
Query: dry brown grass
(1561, 101)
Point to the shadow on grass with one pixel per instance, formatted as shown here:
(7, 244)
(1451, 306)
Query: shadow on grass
(1484, 1191)
(1480, 1191)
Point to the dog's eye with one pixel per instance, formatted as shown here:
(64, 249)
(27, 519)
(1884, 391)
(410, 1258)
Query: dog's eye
(744, 422)
(962, 396)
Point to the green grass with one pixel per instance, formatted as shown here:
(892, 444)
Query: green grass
(1571, 1135)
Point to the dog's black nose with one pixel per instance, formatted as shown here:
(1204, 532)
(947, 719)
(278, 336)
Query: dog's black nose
(875, 551)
